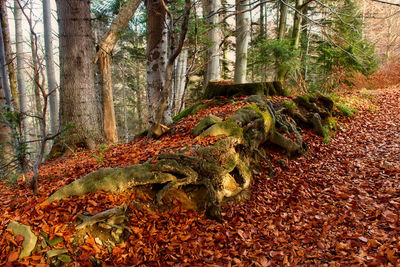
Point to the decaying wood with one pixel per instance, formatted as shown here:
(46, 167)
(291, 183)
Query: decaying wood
(111, 217)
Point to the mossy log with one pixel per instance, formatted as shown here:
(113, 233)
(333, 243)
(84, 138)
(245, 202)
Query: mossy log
(215, 89)
(222, 170)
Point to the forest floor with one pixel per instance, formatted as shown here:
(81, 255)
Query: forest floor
(337, 205)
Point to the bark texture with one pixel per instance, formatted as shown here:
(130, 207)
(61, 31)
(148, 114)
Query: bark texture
(242, 40)
(104, 61)
(156, 54)
(5, 131)
(79, 100)
(214, 37)
(21, 69)
(297, 25)
(9, 55)
(50, 71)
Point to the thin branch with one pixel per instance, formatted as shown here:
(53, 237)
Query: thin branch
(385, 2)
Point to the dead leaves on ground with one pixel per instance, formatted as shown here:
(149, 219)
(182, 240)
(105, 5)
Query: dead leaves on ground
(339, 206)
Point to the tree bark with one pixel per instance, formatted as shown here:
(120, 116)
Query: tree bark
(5, 98)
(156, 129)
(79, 104)
(156, 55)
(214, 37)
(36, 82)
(9, 55)
(282, 20)
(104, 61)
(297, 25)
(242, 40)
(21, 69)
(50, 71)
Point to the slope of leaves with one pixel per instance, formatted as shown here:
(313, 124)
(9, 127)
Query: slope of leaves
(337, 204)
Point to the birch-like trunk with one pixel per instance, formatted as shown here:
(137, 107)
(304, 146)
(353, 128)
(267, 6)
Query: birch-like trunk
(21, 69)
(180, 80)
(50, 71)
(104, 61)
(214, 37)
(297, 25)
(242, 40)
(9, 55)
(79, 100)
(156, 55)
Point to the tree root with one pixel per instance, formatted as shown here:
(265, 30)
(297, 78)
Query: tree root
(223, 168)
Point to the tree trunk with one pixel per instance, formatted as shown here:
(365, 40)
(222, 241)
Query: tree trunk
(297, 25)
(156, 55)
(214, 37)
(51, 74)
(104, 61)
(242, 40)
(79, 105)
(5, 99)
(281, 70)
(282, 20)
(36, 82)
(21, 69)
(181, 80)
(9, 55)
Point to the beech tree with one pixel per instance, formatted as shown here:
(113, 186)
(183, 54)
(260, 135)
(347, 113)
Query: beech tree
(51, 74)
(9, 54)
(214, 37)
(159, 64)
(242, 40)
(103, 57)
(21, 69)
(79, 100)
(5, 101)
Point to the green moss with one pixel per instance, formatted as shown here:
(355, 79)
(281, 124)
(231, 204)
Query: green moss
(227, 128)
(231, 164)
(326, 135)
(205, 123)
(193, 109)
(332, 123)
(346, 110)
(265, 115)
(186, 112)
(289, 104)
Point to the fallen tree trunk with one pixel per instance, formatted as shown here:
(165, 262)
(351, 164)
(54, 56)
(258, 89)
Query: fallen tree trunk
(211, 174)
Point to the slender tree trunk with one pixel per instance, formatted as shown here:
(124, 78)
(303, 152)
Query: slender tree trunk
(281, 70)
(50, 71)
(242, 40)
(21, 69)
(104, 61)
(6, 149)
(214, 37)
(36, 82)
(180, 80)
(297, 25)
(283, 11)
(156, 54)
(9, 54)
(79, 103)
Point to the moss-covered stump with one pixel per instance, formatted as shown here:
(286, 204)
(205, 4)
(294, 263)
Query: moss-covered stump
(215, 89)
